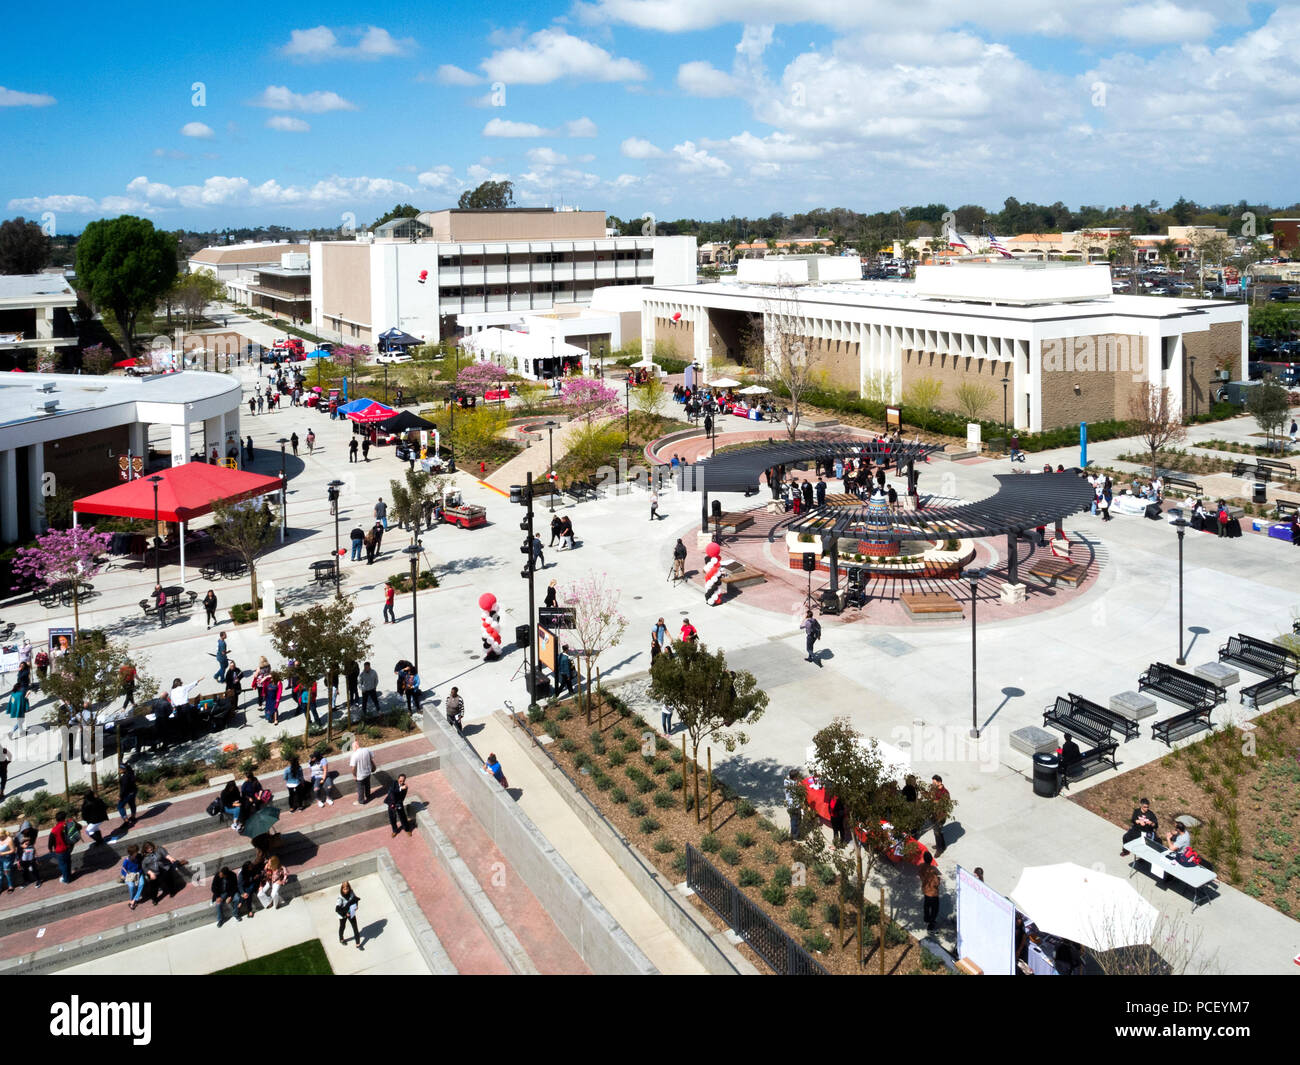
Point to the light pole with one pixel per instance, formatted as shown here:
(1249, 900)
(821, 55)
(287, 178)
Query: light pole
(284, 491)
(530, 682)
(156, 480)
(627, 408)
(413, 553)
(974, 577)
(334, 487)
(1180, 525)
(1006, 380)
(550, 469)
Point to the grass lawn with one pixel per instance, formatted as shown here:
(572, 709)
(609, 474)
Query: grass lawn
(304, 959)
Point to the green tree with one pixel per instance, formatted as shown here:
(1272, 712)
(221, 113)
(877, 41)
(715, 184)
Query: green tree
(319, 639)
(409, 496)
(712, 701)
(400, 210)
(245, 530)
(1274, 320)
(490, 195)
(1269, 404)
(195, 291)
(86, 681)
(649, 399)
(1154, 420)
(477, 433)
(922, 395)
(973, 399)
(125, 265)
(24, 247)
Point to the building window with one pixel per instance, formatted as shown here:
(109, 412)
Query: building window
(448, 260)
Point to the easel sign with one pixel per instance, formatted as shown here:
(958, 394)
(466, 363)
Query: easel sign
(547, 645)
(893, 418)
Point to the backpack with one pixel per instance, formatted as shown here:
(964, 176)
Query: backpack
(1187, 856)
(815, 629)
(214, 808)
(71, 832)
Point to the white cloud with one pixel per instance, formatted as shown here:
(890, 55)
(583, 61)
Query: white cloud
(281, 98)
(638, 148)
(196, 129)
(546, 157)
(452, 75)
(14, 98)
(1163, 23)
(704, 79)
(66, 204)
(504, 127)
(440, 178)
(692, 159)
(321, 43)
(170, 153)
(580, 127)
(550, 55)
(287, 124)
(774, 147)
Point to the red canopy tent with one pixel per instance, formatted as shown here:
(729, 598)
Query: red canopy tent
(374, 412)
(185, 492)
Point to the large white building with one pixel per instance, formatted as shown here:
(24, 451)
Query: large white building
(35, 316)
(422, 274)
(1067, 348)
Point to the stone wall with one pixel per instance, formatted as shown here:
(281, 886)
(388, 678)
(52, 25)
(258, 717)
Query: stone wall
(952, 371)
(82, 464)
(1202, 355)
(1091, 378)
(839, 361)
(680, 334)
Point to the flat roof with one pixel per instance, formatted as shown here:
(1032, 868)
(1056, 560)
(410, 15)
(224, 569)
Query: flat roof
(36, 287)
(86, 392)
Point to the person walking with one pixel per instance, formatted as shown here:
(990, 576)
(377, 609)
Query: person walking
(566, 534)
(794, 801)
(666, 720)
(679, 560)
(654, 505)
(249, 451)
(319, 768)
(252, 406)
(126, 677)
(539, 559)
(390, 618)
(395, 800)
(293, 440)
(455, 709)
(552, 596)
(160, 599)
(812, 629)
(379, 537)
(493, 766)
(411, 689)
(839, 834)
(311, 441)
(126, 794)
(557, 528)
(363, 765)
(940, 795)
(94, 811)
(369, 681)
(346, 907)
(365, 449)
(358, 538)
(381, 513)
(222, 658)
(368, 538)
(63, 837)
(929, 890)
(352, 450)
(6, 756)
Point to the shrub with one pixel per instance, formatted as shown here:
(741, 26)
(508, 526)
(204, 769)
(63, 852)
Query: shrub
(563, 713)
(745, 808)
(260, 749)
(831, 913)
(781, 835)
(674, 781)
(567, 745)
(799, 917)
(617, 757)
(806, 895)
(321, 749)
(552, 729)
(636, 807)
(662, 744)
(710, 844)
(198, 780)
(665, 801)
(895, 936)
(603, 781)
(619, 733)
(245, 767)
(222, 760)
(645, 785)
(930, 962)
(631, 745)
(618, 795)
(11, 810)
(730, 855)
(661, 766)
(749, 877)
(745, 839)
(664, 845)
(582, 758)
(774, 894)
(648, 825)
(782, 875)
(536, 715)
(769, 856)
(290, 746)
(826, 874)
(679, 864)
(174, 786)
(146, 776)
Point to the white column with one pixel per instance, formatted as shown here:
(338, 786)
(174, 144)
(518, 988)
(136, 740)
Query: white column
(138, 439)
(8, 496)
(182, 552)
(180, 444)
(1033, 387)
(36, 479)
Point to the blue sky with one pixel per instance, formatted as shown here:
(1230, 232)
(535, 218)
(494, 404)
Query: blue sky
(679, 107)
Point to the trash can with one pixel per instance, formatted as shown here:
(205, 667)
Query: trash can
(1047, 774)
(1261, 492)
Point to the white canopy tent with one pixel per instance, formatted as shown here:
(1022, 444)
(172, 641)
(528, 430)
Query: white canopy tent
(1100, 911)
(754, 390)
(725, 382)
(534, 357)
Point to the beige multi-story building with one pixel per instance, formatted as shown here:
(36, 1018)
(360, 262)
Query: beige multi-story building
(237, 265)
(1050, 337)
(421, 274)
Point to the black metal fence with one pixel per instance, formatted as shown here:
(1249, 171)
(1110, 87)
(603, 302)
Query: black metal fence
(759, 931)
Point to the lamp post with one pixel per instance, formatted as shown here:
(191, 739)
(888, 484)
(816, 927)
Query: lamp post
(550, 469)
(530, 681)
(627, 408)
(385, 384)
(334, 487)
(1180, 526)
(1006, 381)
(156, 480)
(413, 553)
(284, 491)
(974, 577)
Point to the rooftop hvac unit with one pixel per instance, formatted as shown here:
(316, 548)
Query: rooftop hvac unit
(45, 406)
(43, 386)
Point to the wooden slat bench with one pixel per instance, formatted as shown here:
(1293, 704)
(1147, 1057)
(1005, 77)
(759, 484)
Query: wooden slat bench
(1180, 725)
(741, 576)
(1052, 569)
(733, 521)
(1179, 687)
(937, 606)
(1269, 688)
(1258, 656)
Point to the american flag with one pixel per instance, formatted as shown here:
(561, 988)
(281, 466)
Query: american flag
(999, 246)
(956, 240)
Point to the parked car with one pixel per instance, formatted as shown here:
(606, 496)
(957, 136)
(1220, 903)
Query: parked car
(393, 357)
(325, 346)
(1281, 294)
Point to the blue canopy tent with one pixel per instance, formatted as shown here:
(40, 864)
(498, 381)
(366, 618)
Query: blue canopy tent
(392, 339)
(355, 405)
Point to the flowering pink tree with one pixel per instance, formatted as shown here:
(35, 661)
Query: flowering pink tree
(63, 555)
(348, 355)
(589, 399)
(480, 376)
(597, 619)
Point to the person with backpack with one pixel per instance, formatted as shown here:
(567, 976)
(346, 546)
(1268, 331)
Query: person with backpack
(63, 837)
(94, 812)
(812, 629)
(455, 708)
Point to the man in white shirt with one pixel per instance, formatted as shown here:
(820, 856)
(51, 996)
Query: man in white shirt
(369, 681)
(363, 766)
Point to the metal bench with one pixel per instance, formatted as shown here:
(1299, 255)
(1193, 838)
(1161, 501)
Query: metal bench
(1099, 755)
(1268, 688)
(1179, 687)
(1118, 722)
(1277, 466)
(1185, 483)
(1259, 656)
(1285, 509)
(1076, 720)
(1180, 725)
(1248, 469)
(175, 604)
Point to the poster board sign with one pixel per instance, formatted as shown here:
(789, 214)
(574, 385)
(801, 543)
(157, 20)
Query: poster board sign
(973, 435)
(556, 617)
(61, 641)
(986, 926)
(547, 646)
(893, 418)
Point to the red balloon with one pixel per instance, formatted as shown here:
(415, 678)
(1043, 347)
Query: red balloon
(677, 317)
(487, 601)
(713, 550)
(424, 274)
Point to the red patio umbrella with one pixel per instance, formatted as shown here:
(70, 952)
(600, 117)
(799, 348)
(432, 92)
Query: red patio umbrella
(125, 363)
